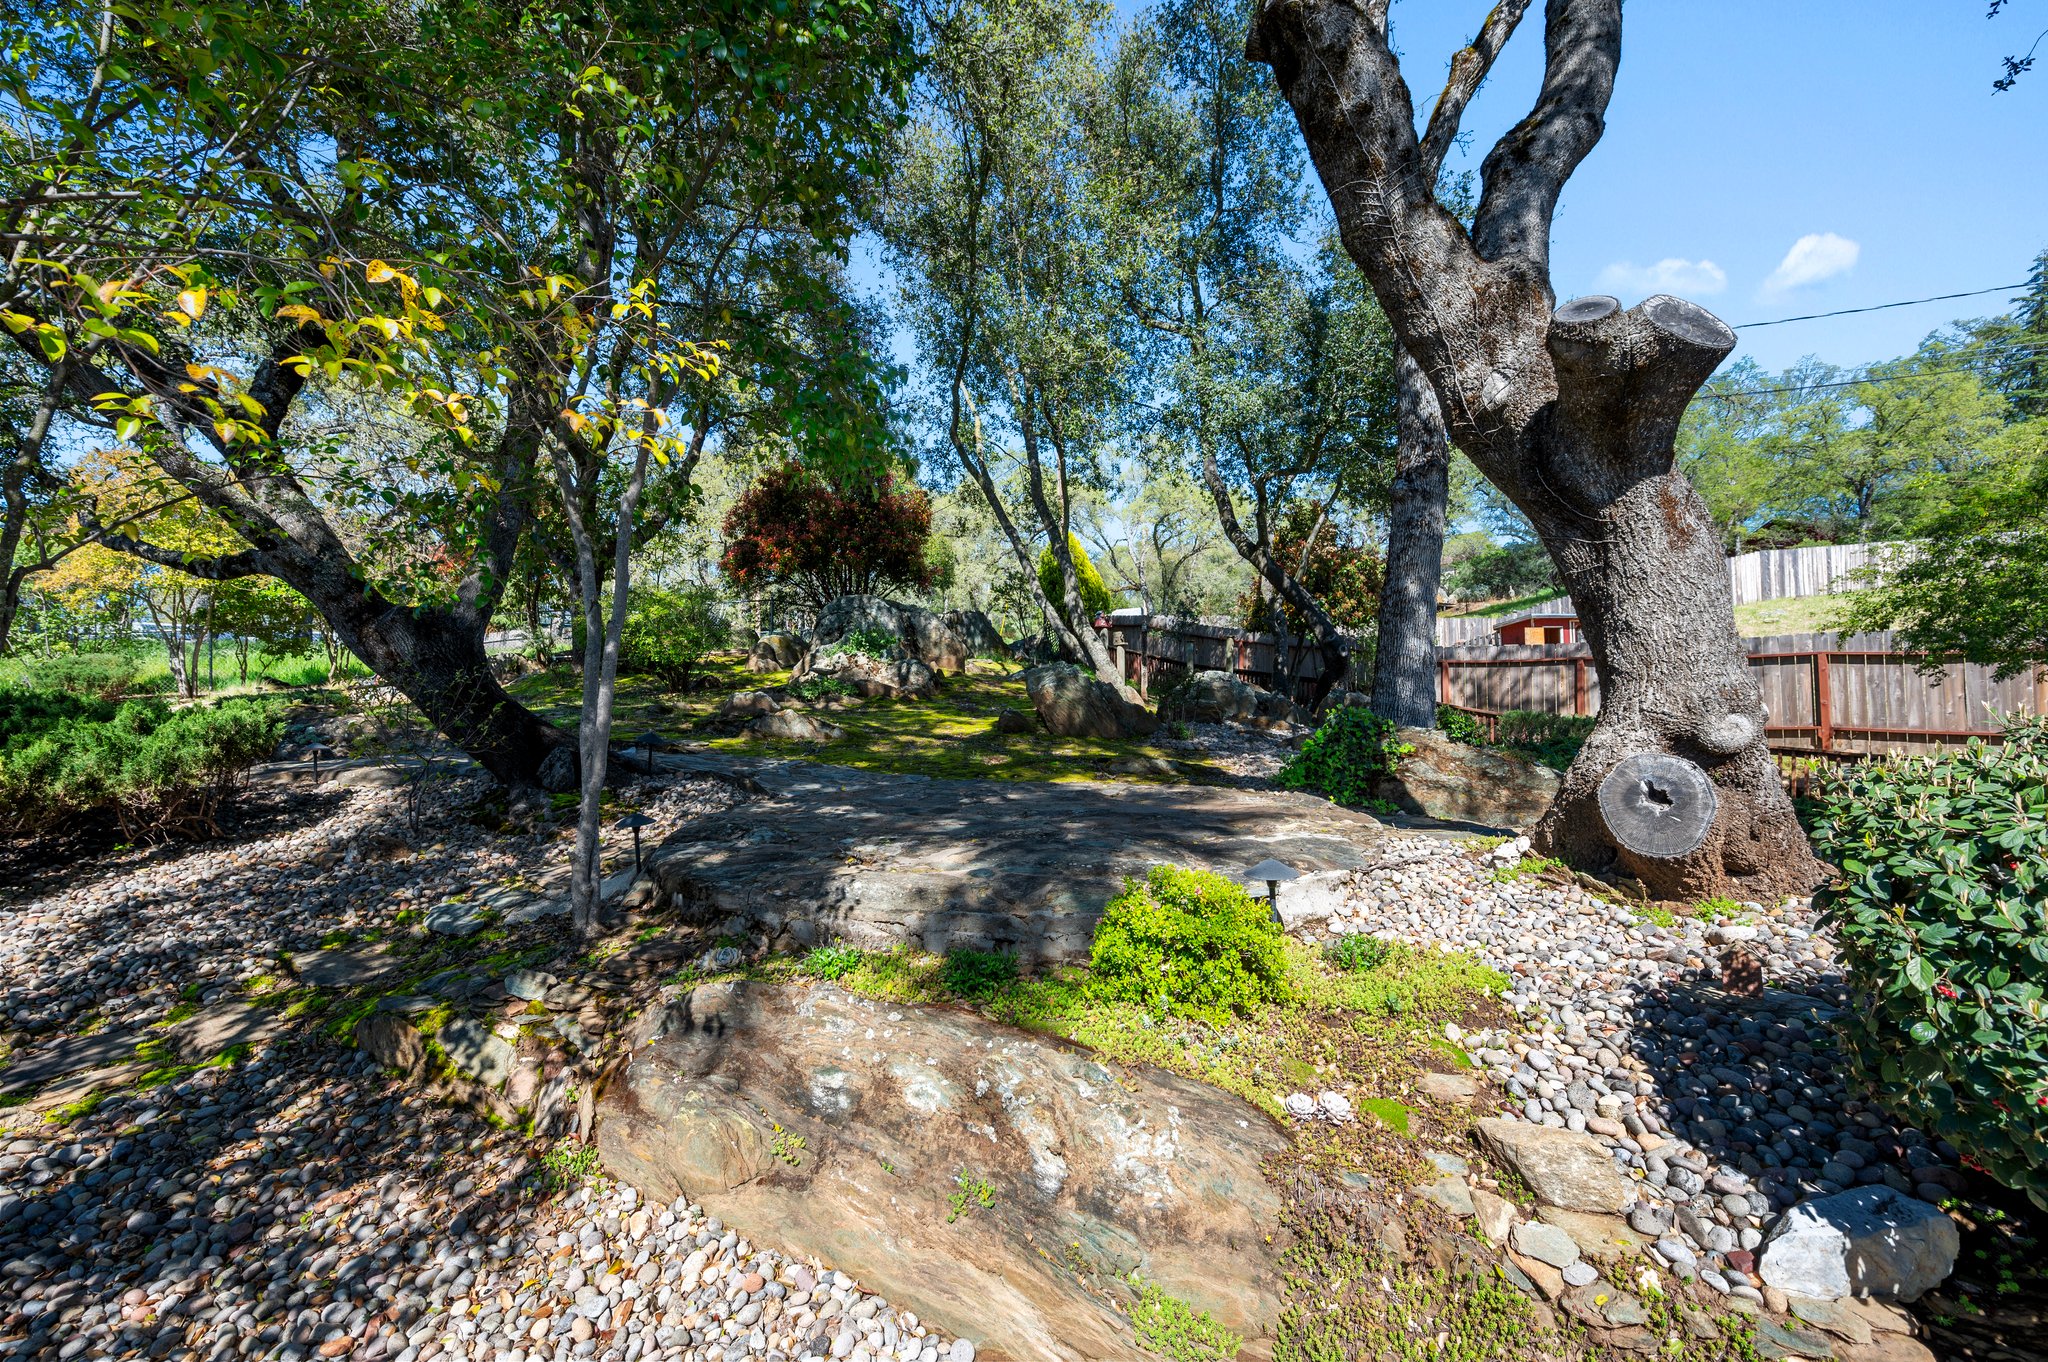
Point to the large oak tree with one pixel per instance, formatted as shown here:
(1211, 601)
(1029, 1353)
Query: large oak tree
(1570, 411)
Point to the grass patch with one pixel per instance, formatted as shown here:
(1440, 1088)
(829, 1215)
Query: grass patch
(1794, 615)
(952, 734)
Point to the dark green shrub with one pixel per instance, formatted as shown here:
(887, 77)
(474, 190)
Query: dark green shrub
(100, 676)
(1942, 915)
(159, 770)
(1189, 943)
(667, 633)
(1353, 954)
(1353, 748)
(815, 689)
(977, 974)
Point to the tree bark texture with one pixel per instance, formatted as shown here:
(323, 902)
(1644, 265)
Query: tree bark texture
(1571, 411)
(1404, 668)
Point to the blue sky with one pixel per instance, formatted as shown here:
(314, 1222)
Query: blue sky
(1781, 158)
(1739, 128)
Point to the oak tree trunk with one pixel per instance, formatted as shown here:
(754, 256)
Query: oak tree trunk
(1641, 556)
(1404, 668)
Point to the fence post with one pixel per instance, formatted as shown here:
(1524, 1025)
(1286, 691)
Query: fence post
(1823, 702)
(1579, 685)
(1443, 680)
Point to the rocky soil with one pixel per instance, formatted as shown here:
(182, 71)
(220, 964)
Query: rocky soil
(287, 1199)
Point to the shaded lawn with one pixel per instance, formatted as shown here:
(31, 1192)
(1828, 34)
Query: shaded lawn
(1793, 615)
(953, 734)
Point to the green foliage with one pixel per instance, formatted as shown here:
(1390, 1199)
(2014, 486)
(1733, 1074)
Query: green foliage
(1352, 749)
(100, 676)
(865, 640)
(1096, 596)
(977, 974)
(832, 962)
(1376, 978)
(158, 770)
(969, 1193)
(1504, 570)
(813, 689)
(1169, 1326)
(1459, 726)
(1189, 943)
(1942, 916)
(568, 1163)
(667, 633)
(1389, 1113)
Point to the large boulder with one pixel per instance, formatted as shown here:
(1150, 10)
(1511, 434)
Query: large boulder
(951, 1164)
(1214, 697)
(1073, 704)
(1461, 783)
(1564, 1169)
(1873, 1241)
(979, 631)
(746, 704)
(903, 678)
(775, 653)
(919, 634)
(791, 726)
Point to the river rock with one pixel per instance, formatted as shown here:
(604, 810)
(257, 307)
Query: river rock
(1563, 1168)
(1074, 704)
(937, 1157)
(1461, 783)
(1873, 1241)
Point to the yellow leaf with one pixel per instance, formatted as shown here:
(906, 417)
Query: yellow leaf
(299, 312)
(192, 302)
(226, 430)
(377, 272)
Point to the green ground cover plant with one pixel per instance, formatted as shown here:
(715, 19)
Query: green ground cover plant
(1352, 750)
(1188, 943)
(1942, 916)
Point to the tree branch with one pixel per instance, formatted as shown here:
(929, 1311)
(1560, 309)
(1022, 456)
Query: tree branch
(1469, 69)
(212, 568)
(1527, 168)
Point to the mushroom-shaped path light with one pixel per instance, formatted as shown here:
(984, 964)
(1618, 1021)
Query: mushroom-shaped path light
(1272, 872)
(636, 821)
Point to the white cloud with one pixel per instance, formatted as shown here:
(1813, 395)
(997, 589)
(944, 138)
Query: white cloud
(1670, 275)
(1814, 257)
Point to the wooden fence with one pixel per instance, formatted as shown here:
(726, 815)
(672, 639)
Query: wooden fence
(1145, 646)
(1824, 694)
(1762, 575)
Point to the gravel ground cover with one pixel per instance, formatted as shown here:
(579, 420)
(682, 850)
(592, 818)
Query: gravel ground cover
(281, 1197)
(1722, 1109)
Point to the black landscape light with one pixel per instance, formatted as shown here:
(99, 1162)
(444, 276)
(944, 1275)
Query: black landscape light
(1273, 872)
(319, 750)
(647, 742)
(636, 821)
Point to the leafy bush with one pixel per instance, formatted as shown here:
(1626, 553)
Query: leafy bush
(158, 770)
(1353, 748)
(1459, 726)
(823, 539)
(835, 961)
(102, 676)
(1189, 943)
(977, 974)
(1095, 593)
(667, 633)
(1942, 914)
(813, 689)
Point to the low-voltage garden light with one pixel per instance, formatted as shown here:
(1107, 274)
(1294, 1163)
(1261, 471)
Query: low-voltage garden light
(636, 821)
(647, 742)
(319, 750)
(1272, 872)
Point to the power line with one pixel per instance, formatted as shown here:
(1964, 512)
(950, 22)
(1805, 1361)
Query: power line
(2004, 351)
(1880, 307)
